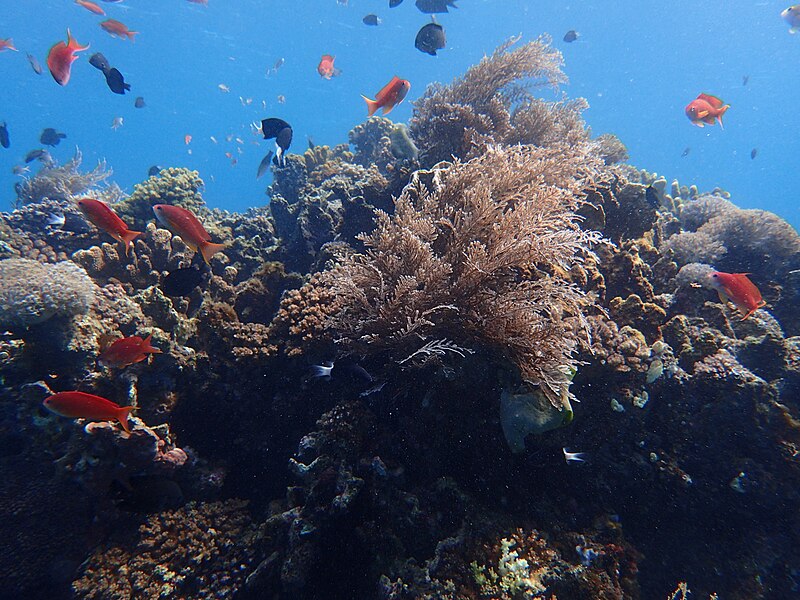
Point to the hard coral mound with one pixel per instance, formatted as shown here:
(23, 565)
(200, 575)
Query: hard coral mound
(473, 262)
(32, 292)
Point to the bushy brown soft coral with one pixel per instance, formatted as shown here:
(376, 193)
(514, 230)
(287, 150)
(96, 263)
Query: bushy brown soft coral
(450, 271)
(200, 551)
(64, 182)
(461, 118)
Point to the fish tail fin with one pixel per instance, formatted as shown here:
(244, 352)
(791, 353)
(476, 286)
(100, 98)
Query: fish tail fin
(147, 345)
(122, 417)
(209, 249)
(128, 237)
(372, 106)
(722, 111)
(131, 35)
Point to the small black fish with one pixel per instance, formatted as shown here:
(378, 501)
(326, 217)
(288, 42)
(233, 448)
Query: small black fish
(4, 140)
(371, 19)
(393, 3)
(139, 102)
(753, 153)
(264, 165)
(745, 79)
(182, 282)
(98, 61)
(311, 144)
(154, 171)
(430, 39)
(434, 6)
(37, 68)
(51, 137)
(570, 36)
(116, 81)
(282, 132)
(278, 64)
(40, 153)
(685, 152)
(651, 195)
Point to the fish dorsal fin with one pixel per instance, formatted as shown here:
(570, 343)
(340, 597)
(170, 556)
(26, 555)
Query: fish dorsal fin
(712, 100)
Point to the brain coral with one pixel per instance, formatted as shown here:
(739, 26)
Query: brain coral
(32, 292)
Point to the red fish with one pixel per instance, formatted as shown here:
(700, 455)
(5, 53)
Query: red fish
(737, 288)
(90, 6)
(128, 351)
(326, 68)
(102, 217)
(7, 44)
(119, 29)
(390, 96)
(61, 57)
(79, 405)
(706, 109)
(185, 224)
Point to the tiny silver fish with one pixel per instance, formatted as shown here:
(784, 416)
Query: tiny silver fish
(56, 220)
(573, 456)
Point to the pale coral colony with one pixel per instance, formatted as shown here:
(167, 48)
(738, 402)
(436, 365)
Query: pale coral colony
(488, 288)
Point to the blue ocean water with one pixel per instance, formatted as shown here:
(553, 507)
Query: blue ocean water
(638, 64)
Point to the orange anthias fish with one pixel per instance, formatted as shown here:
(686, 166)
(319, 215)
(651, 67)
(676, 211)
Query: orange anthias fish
(119, 29)
(737, 288)
(325, 67)
(706, 109)
(128, 351)
(185, 224)
(79, 405)
(90, 6)
(102, 217)
(390, 96)
(61, 57)
(7, 44)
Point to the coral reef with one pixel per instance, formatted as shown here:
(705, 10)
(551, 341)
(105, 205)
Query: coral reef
(380, 387)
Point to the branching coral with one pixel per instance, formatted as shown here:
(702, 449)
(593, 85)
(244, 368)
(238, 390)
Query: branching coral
(475, 262)
(198, 551)
(459, 119)
(62, 182)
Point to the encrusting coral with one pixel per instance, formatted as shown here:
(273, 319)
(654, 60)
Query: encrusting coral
(473, 263)
(32, 292)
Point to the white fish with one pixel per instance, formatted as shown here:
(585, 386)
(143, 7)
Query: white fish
(321, 370)
(56, 220)
(224, 88)
(117, 123)
(792, 16)
(572, 456)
